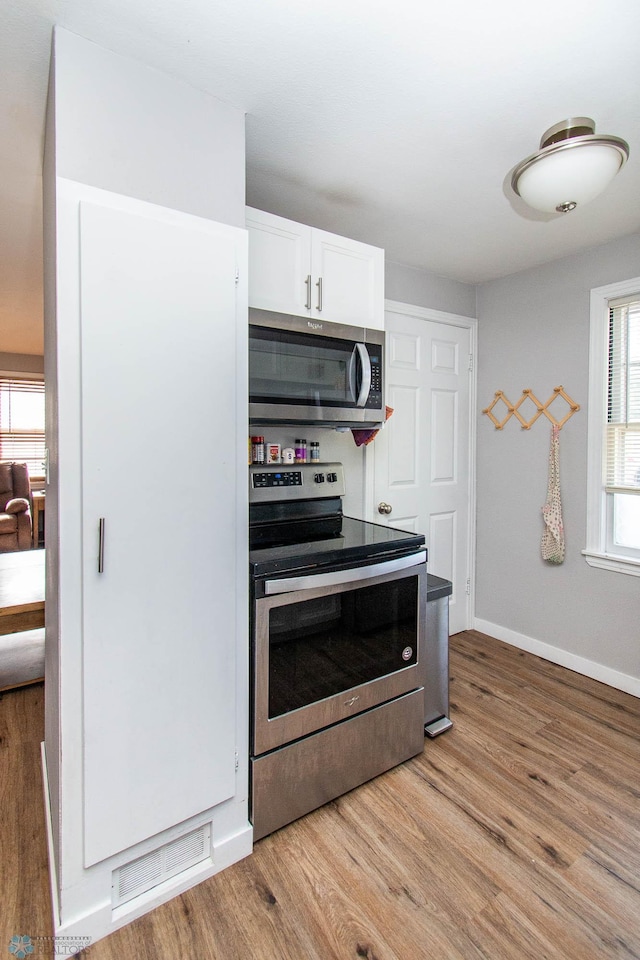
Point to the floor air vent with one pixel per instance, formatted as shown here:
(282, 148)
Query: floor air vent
(146, 872)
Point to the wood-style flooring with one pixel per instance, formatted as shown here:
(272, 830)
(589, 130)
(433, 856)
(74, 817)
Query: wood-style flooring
(514, 836)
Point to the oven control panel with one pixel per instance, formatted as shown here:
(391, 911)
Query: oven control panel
(304, 481)
(278, 478)
(331, 477)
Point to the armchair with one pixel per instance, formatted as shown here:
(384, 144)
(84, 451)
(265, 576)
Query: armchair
(15, 509)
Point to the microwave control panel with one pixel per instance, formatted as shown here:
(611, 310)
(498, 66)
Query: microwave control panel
(375, 393)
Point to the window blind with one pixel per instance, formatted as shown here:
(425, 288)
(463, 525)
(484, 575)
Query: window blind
(622, 466)
(22, 422)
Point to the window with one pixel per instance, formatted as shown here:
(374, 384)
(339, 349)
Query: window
(22, 422)
(613, 483)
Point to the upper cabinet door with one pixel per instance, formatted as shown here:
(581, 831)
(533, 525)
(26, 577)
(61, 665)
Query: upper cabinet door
(351, 275)
(307, 272)
(279, 264)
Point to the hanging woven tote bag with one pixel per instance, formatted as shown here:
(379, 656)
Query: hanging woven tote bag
(553, 536)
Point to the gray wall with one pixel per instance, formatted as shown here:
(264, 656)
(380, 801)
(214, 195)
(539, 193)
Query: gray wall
(533, 331)
(423, 289)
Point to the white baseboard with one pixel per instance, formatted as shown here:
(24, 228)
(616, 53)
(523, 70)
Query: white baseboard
(588, 668)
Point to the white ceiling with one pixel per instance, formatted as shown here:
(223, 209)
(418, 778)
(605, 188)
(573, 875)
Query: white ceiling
(396, 123)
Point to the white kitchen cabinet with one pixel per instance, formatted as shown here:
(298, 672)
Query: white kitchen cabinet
(157, 312)
(147, 626)
(307, 272)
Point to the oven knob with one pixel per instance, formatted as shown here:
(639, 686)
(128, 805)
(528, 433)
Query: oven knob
(407, 653)
(332, 477)
(318, 477)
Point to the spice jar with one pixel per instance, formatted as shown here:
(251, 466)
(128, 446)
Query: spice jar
(314, 451)
(301, 451)
(257, 449)
(272, 452)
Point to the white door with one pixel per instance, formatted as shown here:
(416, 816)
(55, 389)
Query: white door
(423, 456)
(160, 464)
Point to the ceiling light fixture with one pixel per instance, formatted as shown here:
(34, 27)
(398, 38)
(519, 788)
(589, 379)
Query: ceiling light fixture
(572, 166)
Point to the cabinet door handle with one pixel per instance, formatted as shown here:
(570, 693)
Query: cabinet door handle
(308, 283)
(319, 286)
(101, 545)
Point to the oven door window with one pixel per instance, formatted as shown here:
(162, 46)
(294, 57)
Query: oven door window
(326, 645)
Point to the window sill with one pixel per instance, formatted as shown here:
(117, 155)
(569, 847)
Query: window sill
(609, 561)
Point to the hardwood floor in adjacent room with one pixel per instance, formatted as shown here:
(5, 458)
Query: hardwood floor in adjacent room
(514, 835)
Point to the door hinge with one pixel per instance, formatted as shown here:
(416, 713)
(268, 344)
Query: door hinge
(468, 586)
(237, 274)
(470, 363)
(237, 760)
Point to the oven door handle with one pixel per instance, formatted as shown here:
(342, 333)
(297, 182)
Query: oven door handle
(352, 575)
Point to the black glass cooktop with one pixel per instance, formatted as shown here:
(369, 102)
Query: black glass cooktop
(347, 542)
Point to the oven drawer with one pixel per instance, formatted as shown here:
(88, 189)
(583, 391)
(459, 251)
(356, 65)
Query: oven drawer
(298, 778)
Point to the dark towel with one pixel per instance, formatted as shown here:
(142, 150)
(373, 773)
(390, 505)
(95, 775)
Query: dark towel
(363, 437)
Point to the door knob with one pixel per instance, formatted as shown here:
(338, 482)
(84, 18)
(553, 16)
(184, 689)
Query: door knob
(384, 508)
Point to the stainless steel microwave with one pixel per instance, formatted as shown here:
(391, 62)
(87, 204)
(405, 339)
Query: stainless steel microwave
(313, 371)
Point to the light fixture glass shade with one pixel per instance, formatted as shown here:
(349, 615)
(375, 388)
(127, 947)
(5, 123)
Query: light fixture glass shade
(569, 170)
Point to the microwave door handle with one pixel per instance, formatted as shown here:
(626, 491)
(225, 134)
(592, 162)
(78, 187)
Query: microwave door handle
(351, 374)
(365, 380)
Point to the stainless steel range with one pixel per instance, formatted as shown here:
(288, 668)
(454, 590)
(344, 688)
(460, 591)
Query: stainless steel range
(338, 619)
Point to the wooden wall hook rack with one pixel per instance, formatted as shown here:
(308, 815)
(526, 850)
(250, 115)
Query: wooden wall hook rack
(513, 409)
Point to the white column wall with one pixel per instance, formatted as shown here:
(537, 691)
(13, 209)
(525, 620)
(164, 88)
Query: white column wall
(120, 126)
(128, 128)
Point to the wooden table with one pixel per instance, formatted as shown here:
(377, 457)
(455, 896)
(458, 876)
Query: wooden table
(21, 590)
(37, 508)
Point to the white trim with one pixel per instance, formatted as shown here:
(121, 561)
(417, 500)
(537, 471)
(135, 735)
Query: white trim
(596, 534)
(609, 561)
(427, 313)
(53, 878)
(587, 668)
